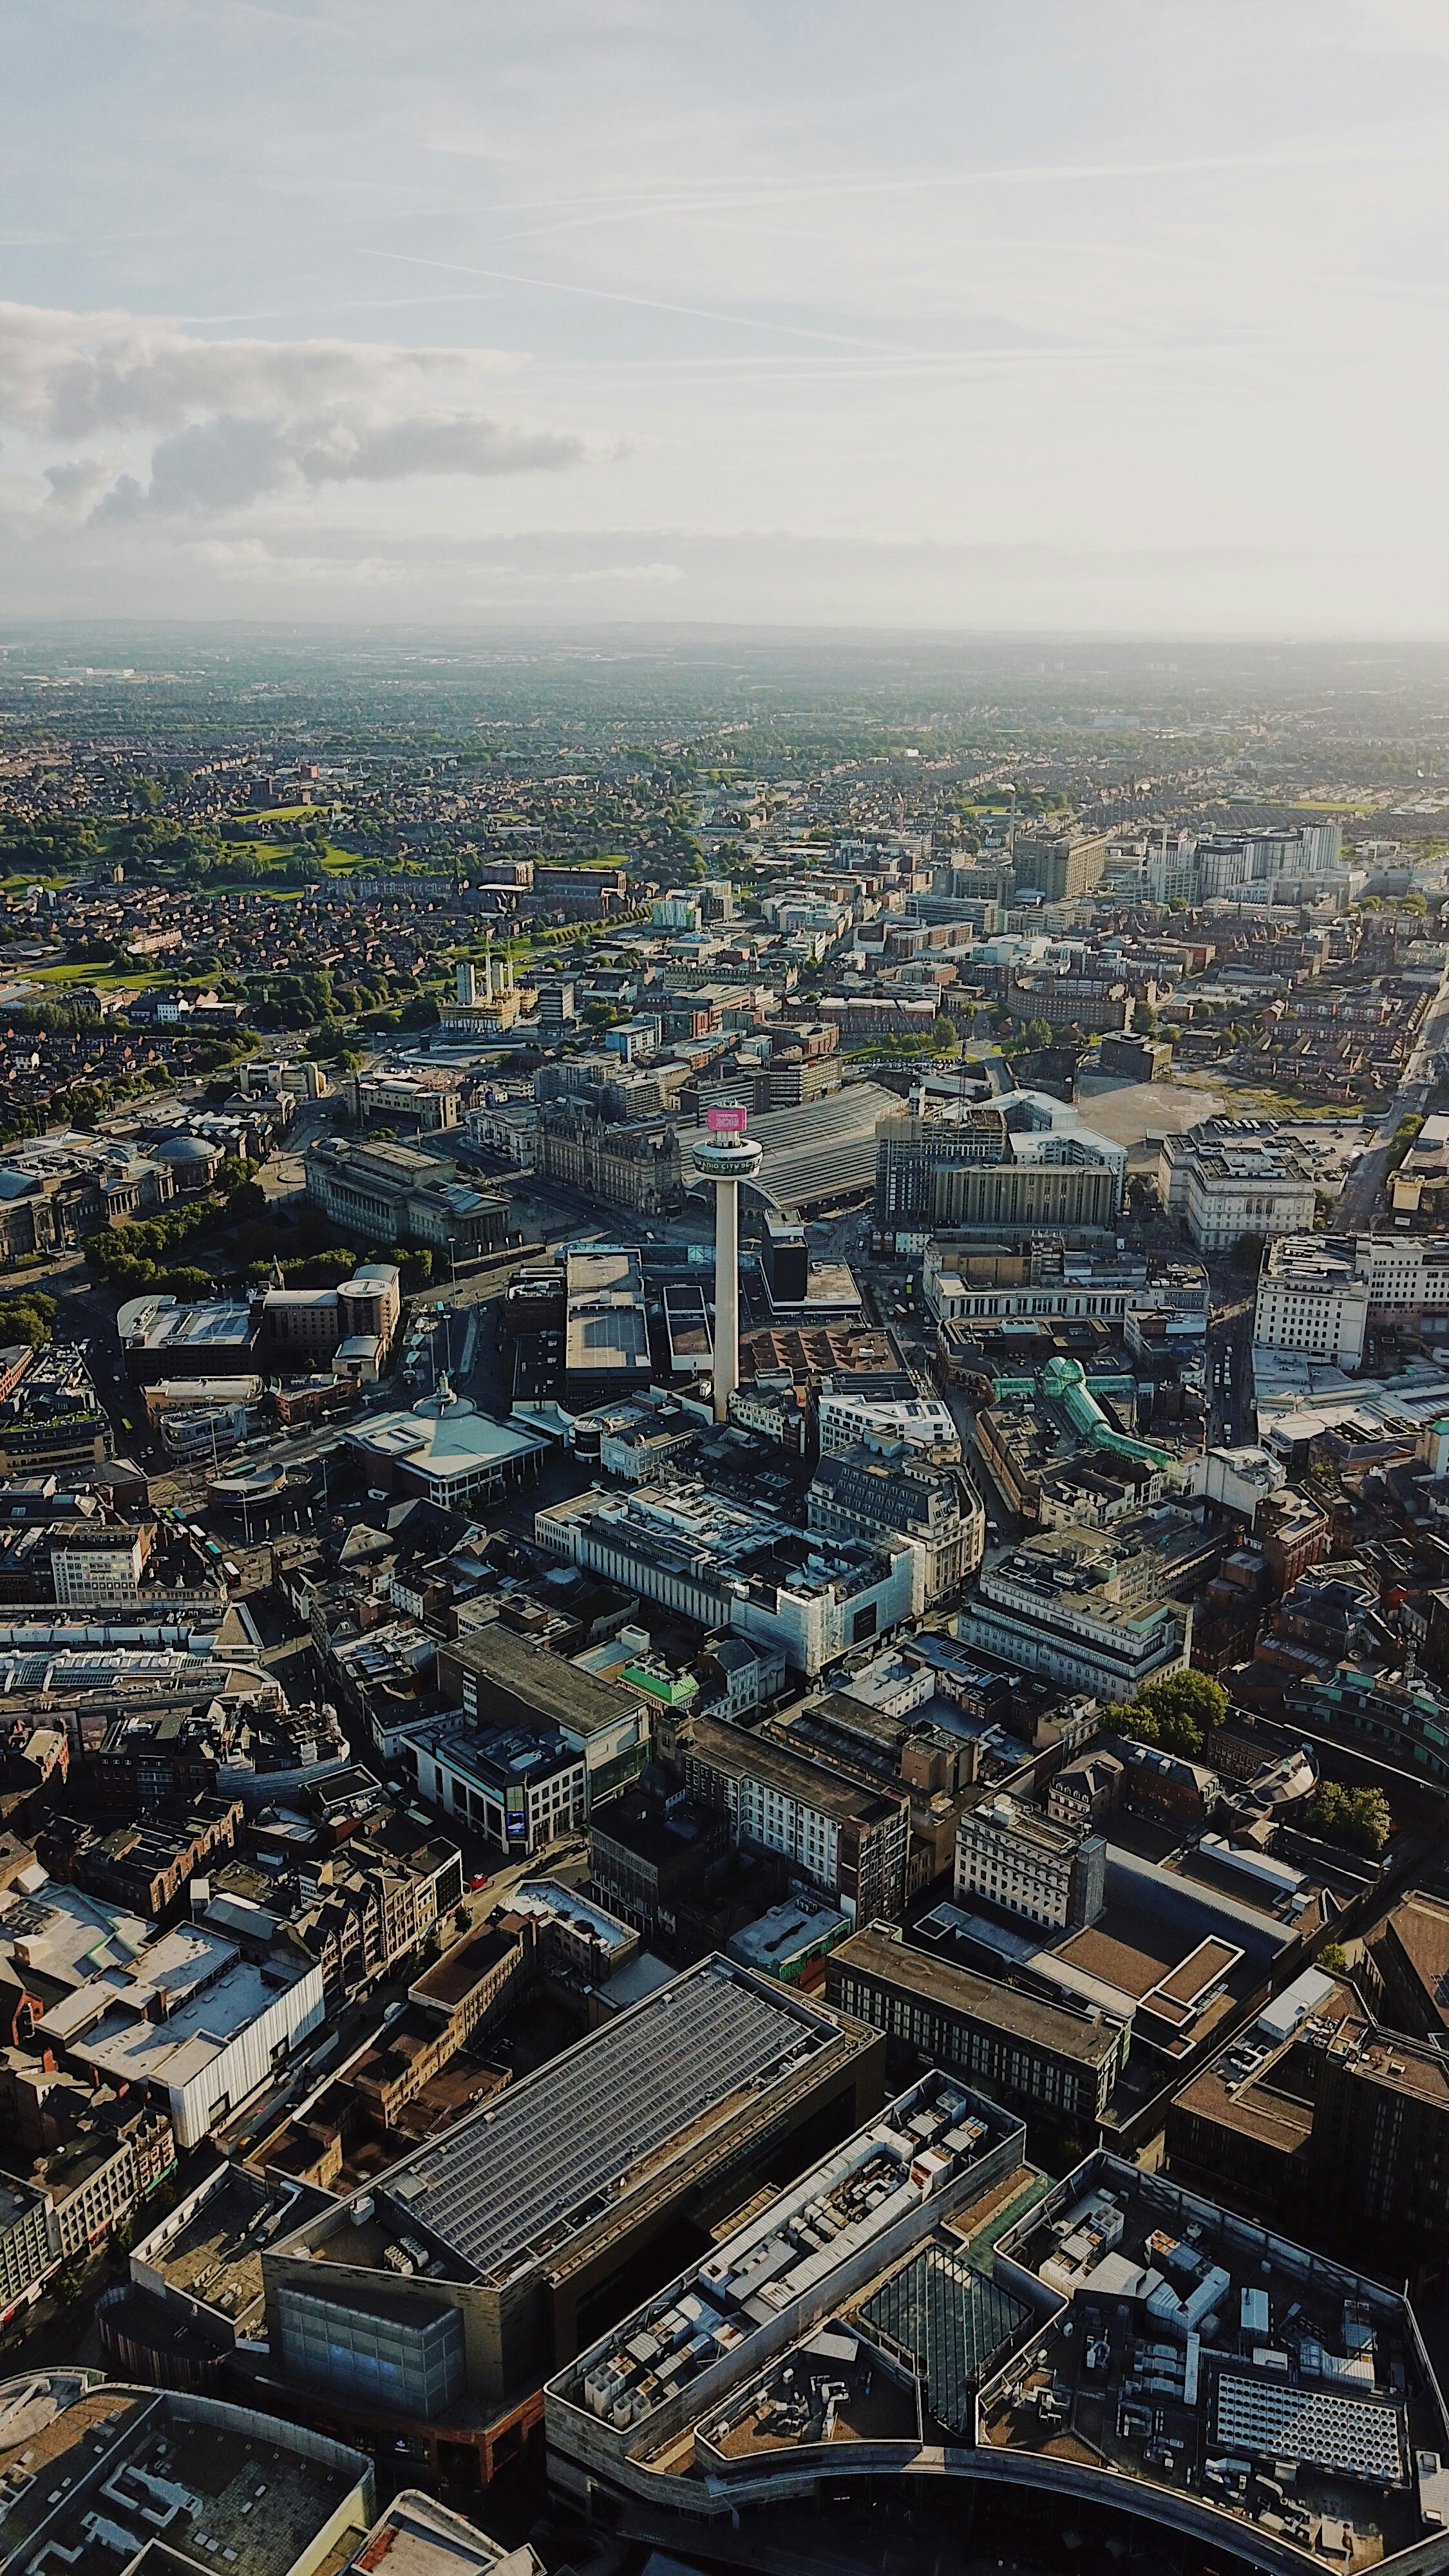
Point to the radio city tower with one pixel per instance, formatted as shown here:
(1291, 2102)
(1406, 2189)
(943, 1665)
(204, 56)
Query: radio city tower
(726, 1156)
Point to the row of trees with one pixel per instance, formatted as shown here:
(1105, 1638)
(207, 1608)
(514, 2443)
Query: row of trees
(133, 1259)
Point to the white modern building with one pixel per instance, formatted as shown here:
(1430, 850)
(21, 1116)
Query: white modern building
(1408, 1275)
(1318, 1295)
(918, 1421)
(1240, 1479)
(445, 1445)
(190, 2021)
(1313, 1297)
(725, 1566)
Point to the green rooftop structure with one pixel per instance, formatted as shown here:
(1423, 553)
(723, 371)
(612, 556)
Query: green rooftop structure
(953, 2324)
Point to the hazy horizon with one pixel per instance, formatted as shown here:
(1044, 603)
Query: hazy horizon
(947, 320)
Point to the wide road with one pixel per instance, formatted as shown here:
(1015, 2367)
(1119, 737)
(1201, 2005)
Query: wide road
(1229, 1374)
(1360, 1197)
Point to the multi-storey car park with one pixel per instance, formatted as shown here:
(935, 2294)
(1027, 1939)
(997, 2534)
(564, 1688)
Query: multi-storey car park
(1109, 2353)
(430, 2309)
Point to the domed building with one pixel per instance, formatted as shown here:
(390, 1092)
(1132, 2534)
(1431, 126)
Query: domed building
(193, 1161)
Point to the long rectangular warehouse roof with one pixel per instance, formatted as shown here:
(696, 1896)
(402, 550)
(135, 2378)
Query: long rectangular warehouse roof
(550, 2154)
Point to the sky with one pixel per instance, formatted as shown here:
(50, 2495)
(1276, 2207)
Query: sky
(1075, 315)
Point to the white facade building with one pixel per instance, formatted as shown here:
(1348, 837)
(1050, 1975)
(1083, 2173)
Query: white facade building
(1018, 1859)
(1318, 1297)
(1407, 1274)
(724, 1566)
(96, 1571)
(919, 1421)
(1239, 1479)
(193, 2022)
(1234, 1177)
(1063, 1605)
(1313, 1298)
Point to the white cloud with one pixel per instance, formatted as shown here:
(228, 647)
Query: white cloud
(229, 462)
(74, 375)
(234, 420)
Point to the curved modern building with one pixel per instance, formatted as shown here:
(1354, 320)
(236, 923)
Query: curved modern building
(1105, 2364)
(96, 2474)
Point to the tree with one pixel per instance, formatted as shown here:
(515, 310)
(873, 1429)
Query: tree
(1332, 1959)
(27, 1319)
(944, 1039)
(1247, 1252)
(1178, 1713)
(1144, 1020)
(1358, 1819)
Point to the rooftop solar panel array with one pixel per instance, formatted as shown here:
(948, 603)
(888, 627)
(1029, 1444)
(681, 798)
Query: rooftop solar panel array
(545, 2155)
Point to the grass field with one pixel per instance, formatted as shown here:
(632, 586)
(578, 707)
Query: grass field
(104, 978)
(1261, 1100)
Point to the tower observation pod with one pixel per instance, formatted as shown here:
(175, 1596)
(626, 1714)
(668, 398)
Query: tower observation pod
(725, 1156)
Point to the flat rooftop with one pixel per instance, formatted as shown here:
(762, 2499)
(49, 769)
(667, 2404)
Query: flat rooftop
(606, 1329)
(215, 2256)
(460, 1968)
(1415, 1937)
(556, 2152)
(1000, 2007)
(1261, 2088)
(192, 1327)
(793, 1775)
(212, 1991)
(416, 2536)
(156, 2466)
(539, 1684)
(777, 1937)
(1197, 2353)
(925, 2144)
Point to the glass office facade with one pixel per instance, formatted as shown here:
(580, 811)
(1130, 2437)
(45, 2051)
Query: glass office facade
(405, 2361)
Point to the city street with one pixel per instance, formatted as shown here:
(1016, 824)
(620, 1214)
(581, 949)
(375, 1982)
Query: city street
(1360, 1198)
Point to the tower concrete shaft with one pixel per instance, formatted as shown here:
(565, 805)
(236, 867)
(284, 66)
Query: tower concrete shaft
(726, 1160)
(726, 1295)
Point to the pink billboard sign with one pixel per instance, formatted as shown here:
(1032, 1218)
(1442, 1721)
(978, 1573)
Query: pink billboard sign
(725, 1122)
